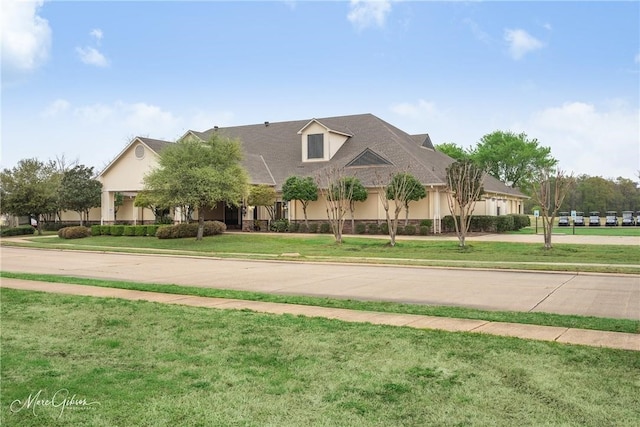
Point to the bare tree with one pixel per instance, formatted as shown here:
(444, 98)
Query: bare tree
(398, 189)
(337, 194)
(464, 187)
(549, 191)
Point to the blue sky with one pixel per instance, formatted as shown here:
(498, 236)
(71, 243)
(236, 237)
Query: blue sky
(81, 79)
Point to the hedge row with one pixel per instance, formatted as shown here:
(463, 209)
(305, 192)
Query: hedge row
(124, 230)
(74, 232)
(282, 225)
(17, 231)
(178, 231)
(490, 224)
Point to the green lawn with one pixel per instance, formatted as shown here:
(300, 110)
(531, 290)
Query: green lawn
(160, 365)
(563, 257)
(582, 231)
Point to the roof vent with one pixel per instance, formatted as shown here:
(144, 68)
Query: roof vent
(266, 123)
(215, 128)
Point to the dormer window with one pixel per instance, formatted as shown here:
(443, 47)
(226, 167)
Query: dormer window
(315, 146)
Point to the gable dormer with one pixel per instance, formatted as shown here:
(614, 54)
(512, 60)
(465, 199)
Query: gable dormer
(319, 142)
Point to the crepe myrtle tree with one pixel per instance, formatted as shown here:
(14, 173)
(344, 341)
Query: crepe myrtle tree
(337, 195)
(465, 180)
(406, 188)
(199, 174)
(357, 193)
(263, 195)
(395, 192)
(548, 190)
(304, 190)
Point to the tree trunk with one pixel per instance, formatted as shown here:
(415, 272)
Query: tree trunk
(304, 211)
(406, 214)
(200, 224)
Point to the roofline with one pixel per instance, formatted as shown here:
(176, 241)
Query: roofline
(324, 126)
(112, 162)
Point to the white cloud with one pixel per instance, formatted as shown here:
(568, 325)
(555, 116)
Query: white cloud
(25, 37)
(420, 110)
(92, 56)
(94, 114)
(368, 13)
(590, 140)
(477, 32)
(520, 43)
(637, 58)
(97, 34)
(57, 107)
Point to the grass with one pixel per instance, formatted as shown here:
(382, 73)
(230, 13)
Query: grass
(162, 365)
(431, 252)
(547, 319)
(583, 231)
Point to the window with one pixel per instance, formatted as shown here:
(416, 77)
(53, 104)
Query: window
(315, 146)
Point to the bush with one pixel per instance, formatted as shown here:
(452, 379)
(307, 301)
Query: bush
(75, 232)
(426, 223)
(129, 230)
(117, 230)
(105, 230)
(96, 230)
(520, 221)
(17, 231)
(424, 230)
(410, 230)
(141, 230)
(504, 223)
(179, 231)
(361, 228)
(399, 230)
(279, 225)
(294, 227)
(302, 228)
(54, 226)
(325, 228)
(384, 228)
(152, 229)
(373, 228)
(313, 227)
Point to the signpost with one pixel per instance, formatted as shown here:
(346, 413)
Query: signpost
(536, 213)
(573, 220)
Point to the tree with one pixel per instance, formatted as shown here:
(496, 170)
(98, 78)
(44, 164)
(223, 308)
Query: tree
(29, 189)
(412, 191)
(512, 158)
(79, 191)
(549, 192)
(263, 195)
(199, 174)
(357, 193)
(336, 195)
(118, 200)
(144, 199)
(464, 187)
(453, 150)
(304, 190)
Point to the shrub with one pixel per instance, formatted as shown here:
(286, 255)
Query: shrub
(410, 230)
(313, 227)
(325, 228)
(384, 228)
(152, 229)
(141, 230)
(373, 228)
(361, 228)
(504, 223)
(303, 228)
(96, 230)
(400, 230)
(129, 230)
(294, 227)
(179, 231)
(75, 232)
(426, 223)
(105, 230)
(117, 230)
(54, 226)
(520, 221)
(279, 225)
(17, 231)
(424, 230)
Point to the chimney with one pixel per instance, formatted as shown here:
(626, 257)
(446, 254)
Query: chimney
(266, 123)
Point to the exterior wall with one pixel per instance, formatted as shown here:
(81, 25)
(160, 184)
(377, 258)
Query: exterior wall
(74, 217)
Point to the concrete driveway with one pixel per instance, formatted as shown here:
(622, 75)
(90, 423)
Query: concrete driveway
(614, 296)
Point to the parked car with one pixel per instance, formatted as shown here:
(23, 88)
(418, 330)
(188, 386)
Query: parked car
(579, 220)
(611, 219)
(594, 219)
(638, 218)
(628, 219)
(563, 219)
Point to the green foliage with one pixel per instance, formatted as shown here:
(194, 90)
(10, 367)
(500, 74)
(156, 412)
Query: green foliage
(263, 195)
(303, 228)
(504, 223)
(294, 227)
(426, 223)
(383, 228)
(140, 230)
(199, 174)
(410, 230)
(183, 230)
(512, 158)
(116, 230)
(325, 227)
(361, 228)
(313, 227)
(298, 188)
(17, 231)
(152, 229)
(75, 232)
(520, 221)
(129, 230)
(96, 230)
(105, 230)
(79, 191)
(373, 228)
(406, 188)
(280, 225)
(453, 150)
(424, 230)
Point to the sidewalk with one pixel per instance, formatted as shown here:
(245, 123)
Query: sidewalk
(616, 340)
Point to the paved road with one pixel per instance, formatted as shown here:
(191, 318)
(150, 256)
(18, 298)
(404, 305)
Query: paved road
(584, 294)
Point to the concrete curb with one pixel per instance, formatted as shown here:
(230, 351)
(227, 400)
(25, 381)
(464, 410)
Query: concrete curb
(615, 340)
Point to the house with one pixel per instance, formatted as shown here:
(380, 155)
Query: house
(363, 145)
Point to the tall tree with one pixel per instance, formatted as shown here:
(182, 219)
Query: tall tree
(512, 158)
(199, 174)
(464, 187)
(357, 193)
(336, 195)
(29, 189)
(263, 195)
(549, 191)
(304, 190)
(79, 191)
(453, 150)
(412, 190)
